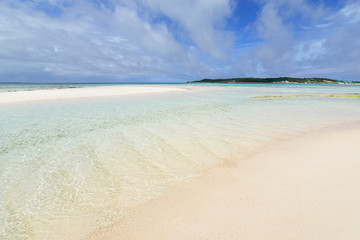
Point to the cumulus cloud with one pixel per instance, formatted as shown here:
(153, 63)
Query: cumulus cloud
(334, 47)
(276, 47)
(189, 39)
(202, 20)
(276, 26)
(113, 38)
(153, 37)
(304, 38)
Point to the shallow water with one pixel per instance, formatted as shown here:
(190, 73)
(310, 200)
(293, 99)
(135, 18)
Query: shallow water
(68, 167)
(13, 87)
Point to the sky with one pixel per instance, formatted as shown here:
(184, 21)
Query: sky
(177, 40)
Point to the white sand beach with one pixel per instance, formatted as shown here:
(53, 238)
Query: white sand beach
(305, 188)
(179, 162)
(179, 120)
(85, 92)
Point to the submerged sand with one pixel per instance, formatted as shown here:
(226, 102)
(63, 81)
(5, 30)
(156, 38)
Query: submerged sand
(86, 92)
(306, 188)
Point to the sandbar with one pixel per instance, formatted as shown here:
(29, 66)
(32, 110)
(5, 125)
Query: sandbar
(83, 92)
(304, 188)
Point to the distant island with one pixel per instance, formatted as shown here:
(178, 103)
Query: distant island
(275, 80)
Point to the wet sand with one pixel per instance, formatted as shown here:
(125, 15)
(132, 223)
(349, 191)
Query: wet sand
(304, 188)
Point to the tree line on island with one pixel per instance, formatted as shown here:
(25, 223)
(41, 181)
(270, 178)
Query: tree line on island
(275, 80)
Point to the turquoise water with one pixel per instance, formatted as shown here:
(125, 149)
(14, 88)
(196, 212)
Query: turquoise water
(69, 167)
(13, 87)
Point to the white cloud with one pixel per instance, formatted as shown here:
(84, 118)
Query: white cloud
(351, 12)
(309, 51)
(183, 40)
(277, 26)
(334, 48)
(153, 37)
(277, 39)
(84, 39)
(202, 20)
(328, 46)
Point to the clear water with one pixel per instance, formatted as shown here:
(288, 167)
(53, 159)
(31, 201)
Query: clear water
(69, 167)
(11, 87)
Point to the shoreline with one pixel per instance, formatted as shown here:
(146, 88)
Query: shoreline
(302, 188)
(77, 93)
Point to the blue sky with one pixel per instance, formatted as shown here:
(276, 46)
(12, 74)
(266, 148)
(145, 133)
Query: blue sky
(177, 41)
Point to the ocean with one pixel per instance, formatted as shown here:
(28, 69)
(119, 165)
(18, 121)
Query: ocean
(70, 167)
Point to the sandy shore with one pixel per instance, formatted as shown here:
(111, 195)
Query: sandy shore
(86, 92)
(306, 188)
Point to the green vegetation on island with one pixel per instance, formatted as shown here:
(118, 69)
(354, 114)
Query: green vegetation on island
(274, 80)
